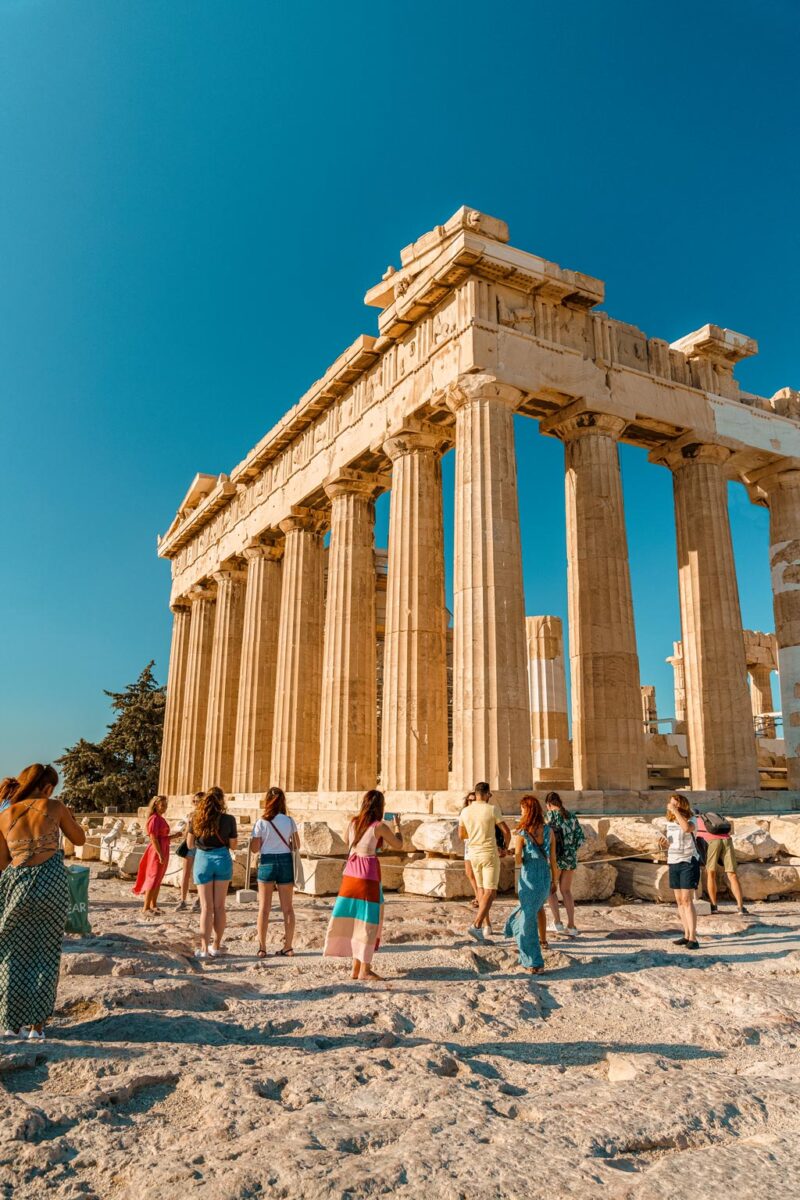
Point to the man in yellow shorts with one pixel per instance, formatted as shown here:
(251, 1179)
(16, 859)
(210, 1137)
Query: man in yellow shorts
(476, 825)
(720, 847)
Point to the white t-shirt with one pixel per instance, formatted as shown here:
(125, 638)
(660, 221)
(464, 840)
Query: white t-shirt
(681, 845)
(270, 842)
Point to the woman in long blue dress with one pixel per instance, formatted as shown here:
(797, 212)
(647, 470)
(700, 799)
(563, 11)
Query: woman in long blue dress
(534, 852)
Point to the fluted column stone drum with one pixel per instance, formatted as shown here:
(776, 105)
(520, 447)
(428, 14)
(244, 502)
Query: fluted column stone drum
(223, 691)
(295, 735)
(491, 713)
(198, 674)
(169, 777)
(255, 712)
(719, 724)
(348, 750)
(607, 734)
(414, 727)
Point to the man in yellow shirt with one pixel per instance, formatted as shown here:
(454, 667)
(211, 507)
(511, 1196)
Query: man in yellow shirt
(476, 825)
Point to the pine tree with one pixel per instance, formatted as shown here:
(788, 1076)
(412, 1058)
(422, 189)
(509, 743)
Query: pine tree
(122, 769)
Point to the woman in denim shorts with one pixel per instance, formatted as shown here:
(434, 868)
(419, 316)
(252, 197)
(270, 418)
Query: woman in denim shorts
(274, 837)
(213, 835)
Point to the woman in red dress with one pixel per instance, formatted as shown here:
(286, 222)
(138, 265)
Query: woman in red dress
(155, 858)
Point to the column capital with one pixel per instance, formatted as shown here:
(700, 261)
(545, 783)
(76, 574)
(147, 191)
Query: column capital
(685, 451)
(414, 437)
(570, 425)
(272, 551)
(303, 520)
(349, 482)
(469, 388)
(781, 476)
(204, 589)
(229, 575)
(181, 605)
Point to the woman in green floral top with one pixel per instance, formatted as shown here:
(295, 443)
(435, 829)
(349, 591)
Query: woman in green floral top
(569, 835)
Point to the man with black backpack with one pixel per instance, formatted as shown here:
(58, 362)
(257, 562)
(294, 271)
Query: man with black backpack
(716, 833)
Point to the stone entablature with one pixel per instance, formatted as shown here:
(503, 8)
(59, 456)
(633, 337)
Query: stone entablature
(472, 331)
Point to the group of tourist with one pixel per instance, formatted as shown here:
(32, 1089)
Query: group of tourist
(34, 892)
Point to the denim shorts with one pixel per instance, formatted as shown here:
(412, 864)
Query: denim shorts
(685, 875)
(213, 866)
(276, 868)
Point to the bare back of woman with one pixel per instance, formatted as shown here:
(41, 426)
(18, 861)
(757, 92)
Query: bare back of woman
(29, 831)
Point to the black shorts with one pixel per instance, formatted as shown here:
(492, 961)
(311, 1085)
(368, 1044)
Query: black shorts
(685, 874)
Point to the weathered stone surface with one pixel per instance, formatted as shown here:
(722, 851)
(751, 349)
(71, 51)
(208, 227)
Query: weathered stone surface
(318, 840)
(594, 881)
(593, 846)
(89, 851)
(322, 876)
(438, 837)
(644, 880)
(756, 846)
(128, 862)
(786, 832)
(761, 880)
(87, 964)
(632, 835)
(439, 877)
(392, 868)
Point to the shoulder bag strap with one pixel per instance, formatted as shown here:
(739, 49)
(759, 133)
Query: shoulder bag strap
(280, 835)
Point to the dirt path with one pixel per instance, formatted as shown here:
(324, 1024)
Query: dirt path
(631, 1070)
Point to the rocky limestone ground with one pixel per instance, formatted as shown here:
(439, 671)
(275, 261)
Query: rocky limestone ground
(632, 1070)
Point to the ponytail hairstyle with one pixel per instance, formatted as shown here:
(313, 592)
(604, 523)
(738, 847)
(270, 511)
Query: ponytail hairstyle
(205, 823)
(33, 780)
(531, 820)
(274, 803)
(553, 800)
(8, 787)
(371, 810)
(154, 803)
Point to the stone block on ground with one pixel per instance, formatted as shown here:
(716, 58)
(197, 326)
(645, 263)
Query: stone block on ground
(644, 880)
(594, 881)
(755, 845)
(786, 832)
(247, 896)
(392, 867)
(438, 837)
(633, 835)
(761, 880)
(89, 851)
(128, 862)
(322, 876)
(442, 878)
(507, 874)
(318, 840)
(594, 844)
(174, 872)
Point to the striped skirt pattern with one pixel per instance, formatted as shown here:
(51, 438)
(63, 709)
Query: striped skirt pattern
(357, 918)
(34, 902)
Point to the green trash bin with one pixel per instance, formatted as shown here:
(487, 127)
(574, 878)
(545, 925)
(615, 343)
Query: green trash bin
(78, 915)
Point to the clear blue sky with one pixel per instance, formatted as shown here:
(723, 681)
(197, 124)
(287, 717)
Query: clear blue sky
(196, 195)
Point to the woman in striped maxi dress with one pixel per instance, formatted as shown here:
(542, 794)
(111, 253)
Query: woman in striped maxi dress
(357, 918)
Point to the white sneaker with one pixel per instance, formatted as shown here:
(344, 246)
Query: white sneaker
(10, 1033)
(556, 927)
(212, 952)
(476, 933)
(201, 954)
(36, 1035)
(571, 931)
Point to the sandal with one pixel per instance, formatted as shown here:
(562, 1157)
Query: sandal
(261, 953)
(284, 953)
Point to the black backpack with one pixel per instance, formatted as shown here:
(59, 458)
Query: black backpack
(714, 823)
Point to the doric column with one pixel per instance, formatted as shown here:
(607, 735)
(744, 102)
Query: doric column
(295, 736)
(552, 758)
(719, 723)
(223, 691)
(414, 727)
(679, 686)
(195, 704)
(761, 699)
(348, 746)
(649, 708)
(782, 491)
(176, 693)
(607, 734)
(491, 712)
(255, 710)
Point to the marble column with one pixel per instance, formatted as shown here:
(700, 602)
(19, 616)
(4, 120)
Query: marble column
(719, 723)
(607, 735)
(195, 703)
(223, 692)
(295, 733)
(552, 757)
(782, 491)
(414, 727)
(176, 693)
(649, 708)
(348, 749)
(679, 686)
(255, 710)
(761, 699)
(491, 710)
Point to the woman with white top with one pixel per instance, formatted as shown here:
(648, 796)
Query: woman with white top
(683, 859)
(274, 837)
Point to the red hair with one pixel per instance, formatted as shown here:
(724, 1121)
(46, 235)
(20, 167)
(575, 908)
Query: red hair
(531, 819)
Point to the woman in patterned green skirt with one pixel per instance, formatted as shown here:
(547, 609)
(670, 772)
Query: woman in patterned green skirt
(34, 901)
(566, 829)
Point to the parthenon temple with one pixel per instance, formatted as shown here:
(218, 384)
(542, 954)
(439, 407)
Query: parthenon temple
(302, 657)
